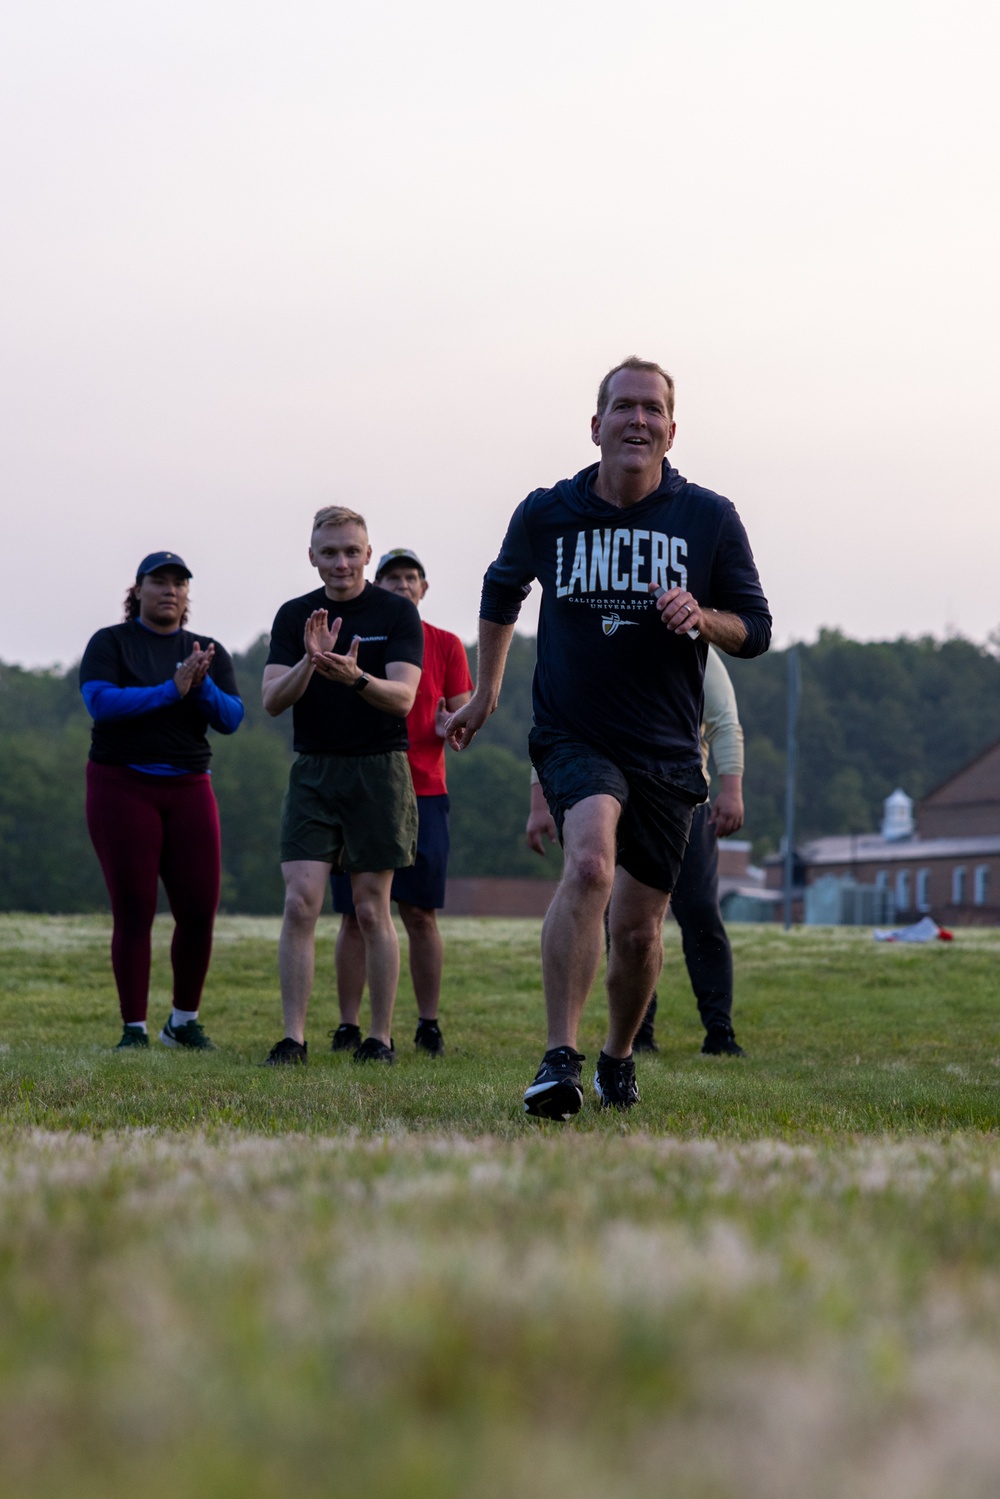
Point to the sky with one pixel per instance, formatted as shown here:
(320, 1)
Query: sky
(260, 258)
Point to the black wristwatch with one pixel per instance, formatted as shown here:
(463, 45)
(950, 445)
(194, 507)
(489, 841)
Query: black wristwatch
(362, 682)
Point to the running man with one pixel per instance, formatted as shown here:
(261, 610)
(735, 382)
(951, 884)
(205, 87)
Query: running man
(695, 898)
(445, 685)
(346, 659)
(640, 571)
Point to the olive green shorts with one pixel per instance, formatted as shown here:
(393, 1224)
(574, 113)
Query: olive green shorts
(356, 812)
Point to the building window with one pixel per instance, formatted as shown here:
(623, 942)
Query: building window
(903, 890)
(923, 889)
(882, 880)
(958, 885)
(980, 881)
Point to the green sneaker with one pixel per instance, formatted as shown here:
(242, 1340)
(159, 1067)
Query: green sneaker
(132, 1036)
(189, 1035)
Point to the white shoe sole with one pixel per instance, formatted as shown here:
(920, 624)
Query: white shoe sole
(554, 1100)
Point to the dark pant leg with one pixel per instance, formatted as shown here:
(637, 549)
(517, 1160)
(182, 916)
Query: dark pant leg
(695, 904)
(190, 866)
(125, 829)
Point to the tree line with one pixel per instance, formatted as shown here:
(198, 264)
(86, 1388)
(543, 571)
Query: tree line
(873, 716)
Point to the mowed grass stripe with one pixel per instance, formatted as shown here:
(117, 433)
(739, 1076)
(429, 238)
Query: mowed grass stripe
(844, 1037)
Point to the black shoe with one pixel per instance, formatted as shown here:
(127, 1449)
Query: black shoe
(720, 1042)
(614, 1082)
(372, 1050)
(556, 1092)
(190, 1035)
(345, 1038)
(287, 1053)
(132, 1036)
(429, 1038)
(645, 1040)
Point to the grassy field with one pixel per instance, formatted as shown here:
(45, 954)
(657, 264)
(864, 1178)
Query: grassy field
(777, 1276)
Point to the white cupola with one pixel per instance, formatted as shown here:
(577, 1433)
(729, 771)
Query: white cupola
(897, 816)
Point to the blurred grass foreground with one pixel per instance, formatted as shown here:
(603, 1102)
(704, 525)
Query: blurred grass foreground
(776, 1277)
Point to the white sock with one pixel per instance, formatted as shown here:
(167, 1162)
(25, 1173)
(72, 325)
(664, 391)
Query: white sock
(136, 1025)
(181, 1017)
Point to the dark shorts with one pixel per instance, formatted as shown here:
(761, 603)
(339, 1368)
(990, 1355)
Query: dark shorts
(355, 812)
(656, 817)
(423, 883)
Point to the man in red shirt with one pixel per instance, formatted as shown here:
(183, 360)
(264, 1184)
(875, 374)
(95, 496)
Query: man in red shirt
(444, 687)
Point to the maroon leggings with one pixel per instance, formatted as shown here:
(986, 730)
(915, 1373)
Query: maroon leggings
(144, 827)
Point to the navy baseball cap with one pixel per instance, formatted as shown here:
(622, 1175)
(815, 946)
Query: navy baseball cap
(156, 560)
(398, 558)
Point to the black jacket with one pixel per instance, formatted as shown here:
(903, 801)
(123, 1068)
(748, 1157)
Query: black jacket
(608, 671)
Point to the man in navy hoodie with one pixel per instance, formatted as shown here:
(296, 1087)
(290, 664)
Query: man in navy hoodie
(640, 572)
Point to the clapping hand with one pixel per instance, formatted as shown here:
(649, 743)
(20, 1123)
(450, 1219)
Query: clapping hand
(319, 635)
(193, 670)
(344, 669)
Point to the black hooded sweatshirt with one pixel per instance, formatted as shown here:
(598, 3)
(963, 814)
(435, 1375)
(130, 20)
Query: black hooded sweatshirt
(609, 672)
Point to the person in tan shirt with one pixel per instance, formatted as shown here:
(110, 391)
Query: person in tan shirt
(695, 899)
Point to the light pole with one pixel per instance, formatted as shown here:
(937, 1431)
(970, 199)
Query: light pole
(791, 753)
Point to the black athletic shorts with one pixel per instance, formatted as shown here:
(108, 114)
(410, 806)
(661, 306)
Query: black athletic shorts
(423, 884)
(656, 817)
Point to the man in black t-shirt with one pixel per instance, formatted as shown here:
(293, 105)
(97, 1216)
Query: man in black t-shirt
(346, 659)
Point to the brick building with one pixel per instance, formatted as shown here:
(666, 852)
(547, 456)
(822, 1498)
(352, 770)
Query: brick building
(944, 863)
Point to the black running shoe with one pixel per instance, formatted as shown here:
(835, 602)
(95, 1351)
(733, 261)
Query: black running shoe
(645, 1040)
(373, 1050)
(614, 1082)
(287, 1053)
(190, 1035)
(132, 1036)
(345, 1038)
(720, 1042)
(556, 1092)
(429, 1039)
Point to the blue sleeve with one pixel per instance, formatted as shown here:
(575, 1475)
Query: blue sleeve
(224, 710)
(106, 702)
(508, 580)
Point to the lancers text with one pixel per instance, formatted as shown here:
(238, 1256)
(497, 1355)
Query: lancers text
(623, 559)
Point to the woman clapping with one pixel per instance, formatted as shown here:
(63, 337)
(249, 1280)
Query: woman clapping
(152, 690)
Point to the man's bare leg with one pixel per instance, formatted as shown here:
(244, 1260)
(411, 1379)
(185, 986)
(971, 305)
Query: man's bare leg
(350, 960)
(370, 892)
(635, 921)
(426, 957)
(573, 931)
(305, 890)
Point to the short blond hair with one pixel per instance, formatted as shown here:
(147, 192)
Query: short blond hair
(338, 515)
(633, 362)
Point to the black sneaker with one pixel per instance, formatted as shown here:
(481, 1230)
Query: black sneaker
(287, 1053)
(556, 1092)
(373, 1050)
(645, 1040)
(190, 1035)
(345, 1038)
(720, 1042)
(132, 1036)
(614, 1082)
(429, 1038)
